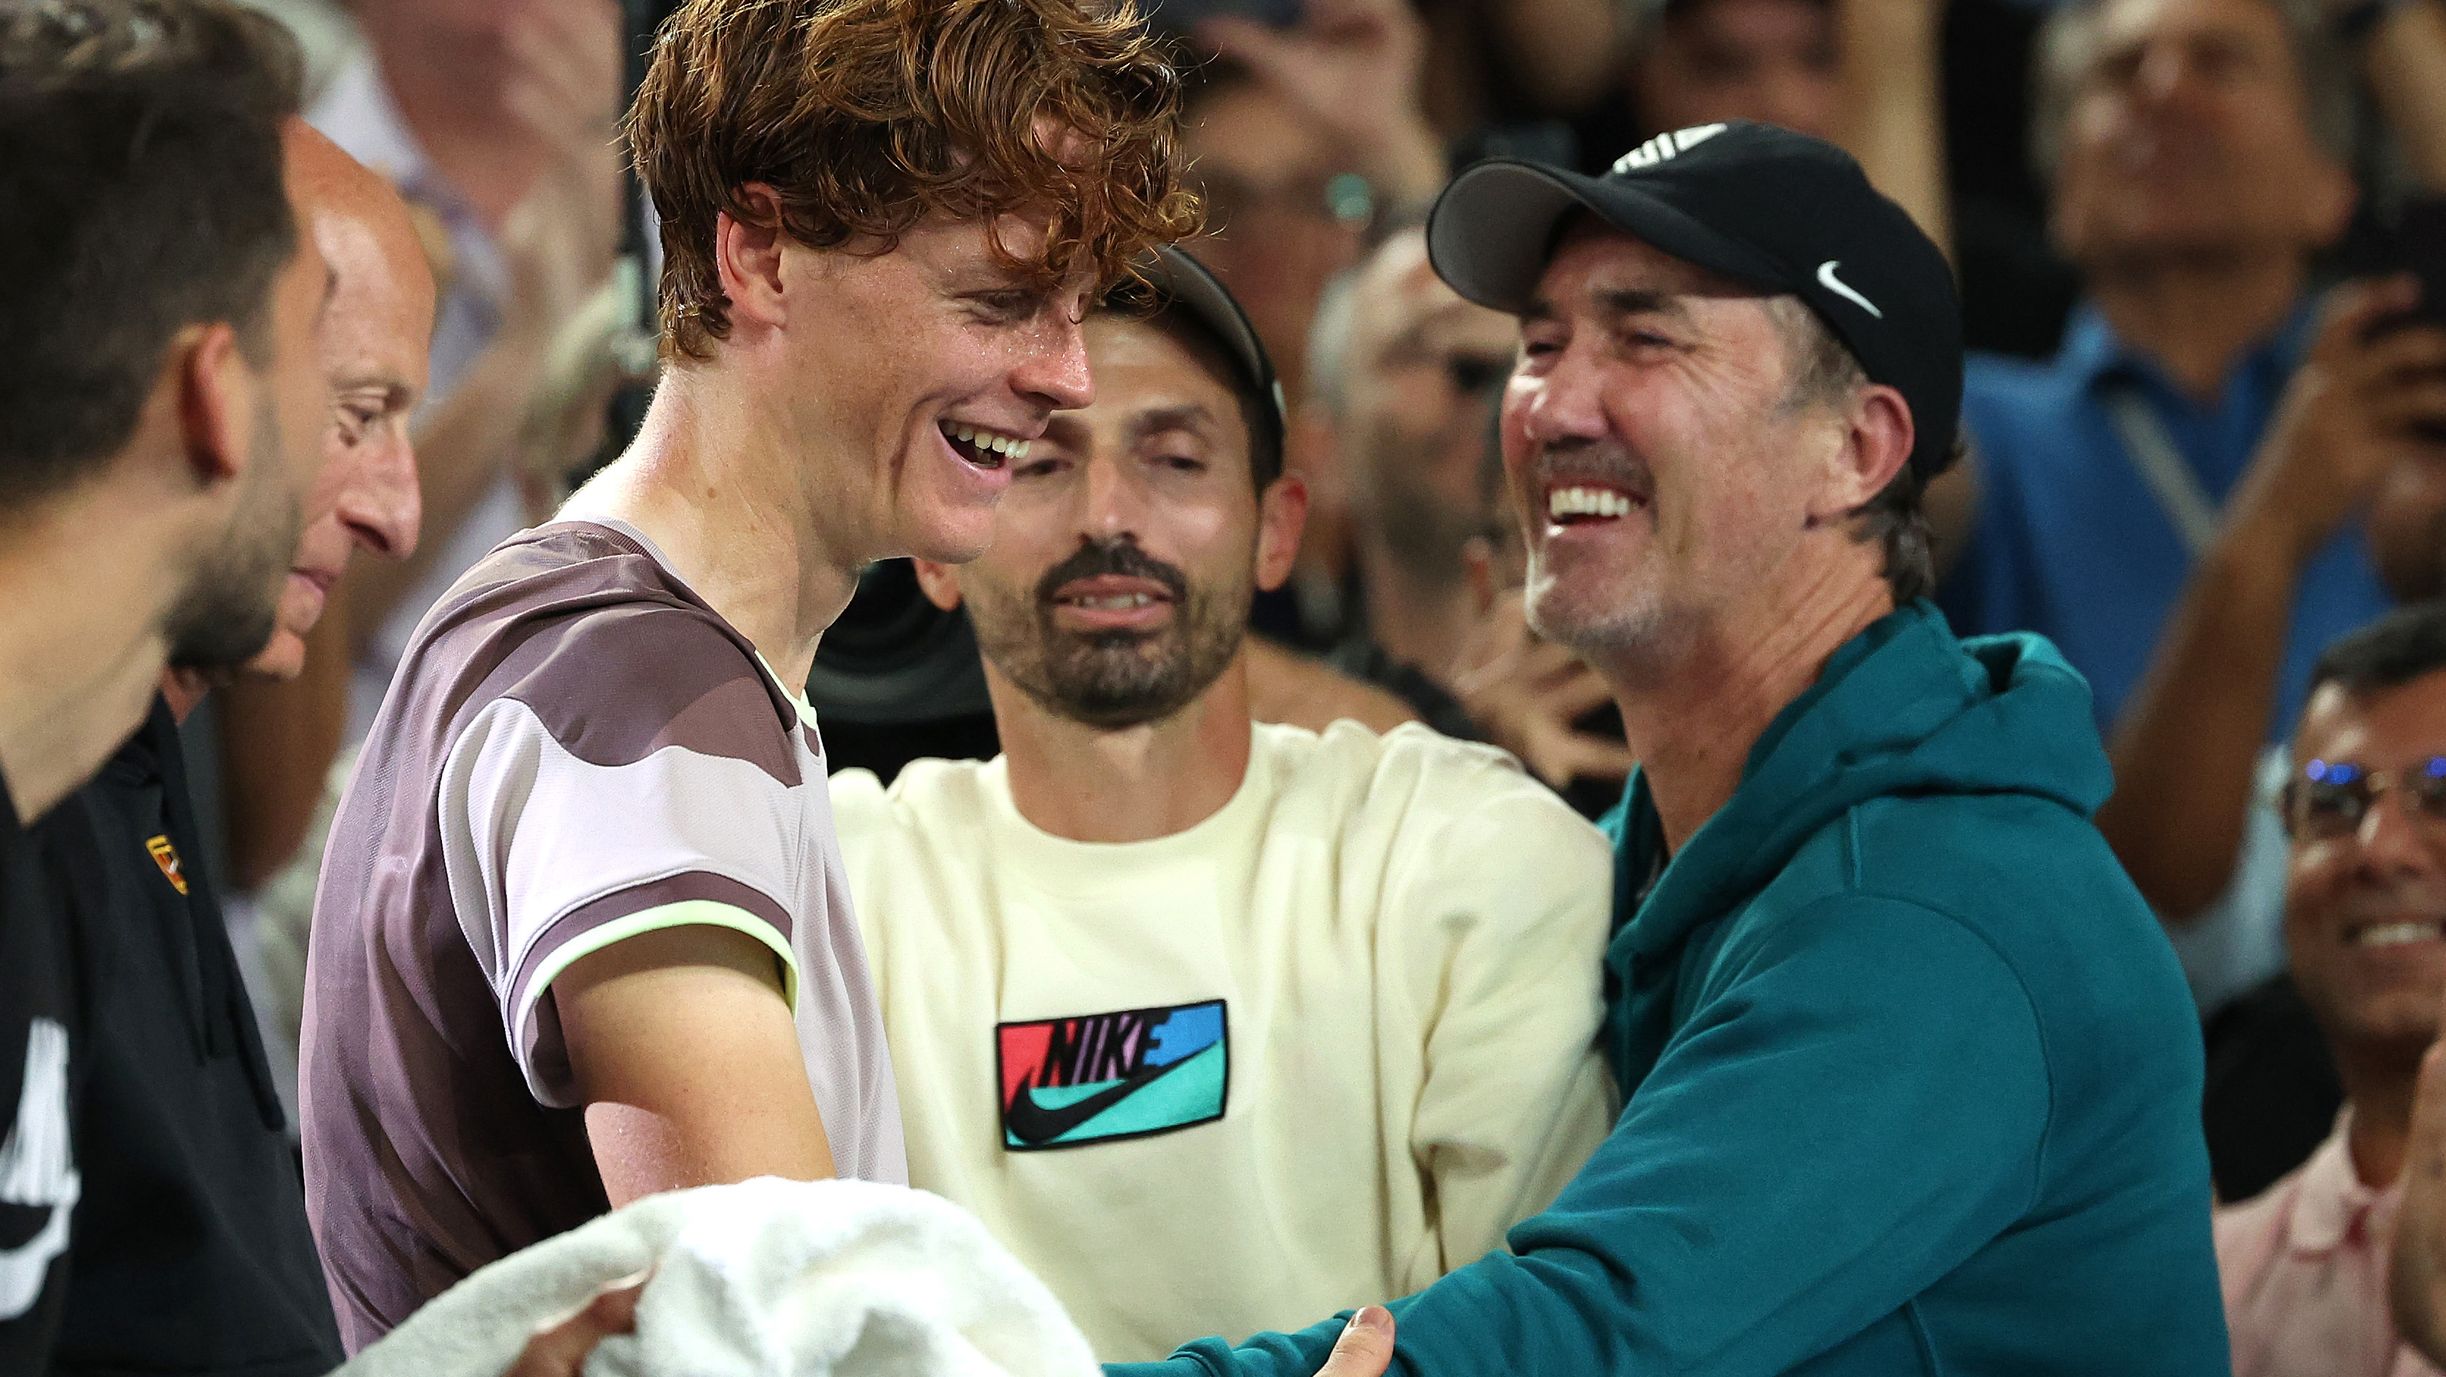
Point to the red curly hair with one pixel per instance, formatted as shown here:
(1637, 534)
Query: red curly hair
(866, 115)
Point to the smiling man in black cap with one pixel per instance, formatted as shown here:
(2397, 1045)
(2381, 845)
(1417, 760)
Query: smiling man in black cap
(1912, 1082)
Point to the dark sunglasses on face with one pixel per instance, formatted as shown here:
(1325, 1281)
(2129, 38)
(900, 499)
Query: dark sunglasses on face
(2329, 798)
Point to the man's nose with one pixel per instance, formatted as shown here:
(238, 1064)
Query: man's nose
(382, 504)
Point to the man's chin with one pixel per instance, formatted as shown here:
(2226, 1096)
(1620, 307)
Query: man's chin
(282, 659)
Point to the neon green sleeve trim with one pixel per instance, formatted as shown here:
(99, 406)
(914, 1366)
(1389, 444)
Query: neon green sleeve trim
(687, 913)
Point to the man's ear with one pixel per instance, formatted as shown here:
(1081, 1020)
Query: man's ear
(216, 416)
(939, 582)
(1874, 445)
(747, 255)
(1282, 513)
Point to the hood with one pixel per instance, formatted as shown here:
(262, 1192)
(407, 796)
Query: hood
(1903, 708)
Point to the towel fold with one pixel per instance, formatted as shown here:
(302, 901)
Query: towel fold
(768, 1278)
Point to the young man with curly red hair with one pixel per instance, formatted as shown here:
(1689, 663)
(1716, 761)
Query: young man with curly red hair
(583, 934)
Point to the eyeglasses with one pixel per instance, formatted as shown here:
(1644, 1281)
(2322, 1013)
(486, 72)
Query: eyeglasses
(2329, 798)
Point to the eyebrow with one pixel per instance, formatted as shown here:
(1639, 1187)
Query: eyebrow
(1185, 416)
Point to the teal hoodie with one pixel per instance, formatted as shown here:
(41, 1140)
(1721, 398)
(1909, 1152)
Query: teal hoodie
(1912, 1079)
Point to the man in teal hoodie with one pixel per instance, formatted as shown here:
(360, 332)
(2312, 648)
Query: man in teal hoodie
(1912, 1079)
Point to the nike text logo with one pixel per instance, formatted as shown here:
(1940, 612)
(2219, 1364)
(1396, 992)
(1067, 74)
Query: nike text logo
(1836, 285)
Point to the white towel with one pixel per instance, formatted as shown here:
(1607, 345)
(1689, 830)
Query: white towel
(768, 1278)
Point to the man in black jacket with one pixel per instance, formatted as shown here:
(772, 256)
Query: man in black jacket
(192, 1220)
(159, 399)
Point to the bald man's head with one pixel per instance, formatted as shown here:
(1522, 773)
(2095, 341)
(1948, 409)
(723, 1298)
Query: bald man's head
(375, 339)
(1421, 369)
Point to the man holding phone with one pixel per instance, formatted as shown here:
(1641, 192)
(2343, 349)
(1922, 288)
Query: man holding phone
(2169, 499)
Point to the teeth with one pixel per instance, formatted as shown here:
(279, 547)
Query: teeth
(988, 441)
(1117, 602)
(1598, 502)
(2395, 934)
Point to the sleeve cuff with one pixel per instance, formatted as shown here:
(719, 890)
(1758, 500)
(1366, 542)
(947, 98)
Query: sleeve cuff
(538, 1049)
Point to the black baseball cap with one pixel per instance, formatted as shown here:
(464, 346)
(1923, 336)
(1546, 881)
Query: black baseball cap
(1181, 283)
(1767, 207)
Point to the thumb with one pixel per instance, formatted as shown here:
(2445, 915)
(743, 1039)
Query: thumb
(1365, 1348)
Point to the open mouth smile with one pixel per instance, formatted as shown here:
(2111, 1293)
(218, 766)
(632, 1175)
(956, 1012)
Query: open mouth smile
(987, 449)
(1578, 504)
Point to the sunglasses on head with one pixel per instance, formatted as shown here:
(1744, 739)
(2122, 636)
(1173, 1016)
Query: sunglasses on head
(2329, 798)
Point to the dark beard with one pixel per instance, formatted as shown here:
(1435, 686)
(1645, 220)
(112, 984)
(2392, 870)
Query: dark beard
(226, 613)
(1114, 679)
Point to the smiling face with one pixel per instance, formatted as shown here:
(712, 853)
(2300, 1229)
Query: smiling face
(1125, 557)
(2364, 909)
(1665, 483)
(936, 363)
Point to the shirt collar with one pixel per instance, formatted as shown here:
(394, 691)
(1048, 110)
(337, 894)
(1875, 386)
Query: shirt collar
(2093, 352)
(2332, 1201)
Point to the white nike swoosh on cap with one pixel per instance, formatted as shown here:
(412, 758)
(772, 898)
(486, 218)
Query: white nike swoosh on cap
(1832, 283)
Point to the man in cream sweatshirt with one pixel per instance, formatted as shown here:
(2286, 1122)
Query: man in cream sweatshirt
(1218, 1025)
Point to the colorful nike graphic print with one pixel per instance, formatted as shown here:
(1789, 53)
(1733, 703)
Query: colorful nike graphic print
(1094, 1078)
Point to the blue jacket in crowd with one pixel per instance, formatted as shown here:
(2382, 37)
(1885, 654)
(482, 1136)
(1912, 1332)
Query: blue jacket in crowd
(1913, 1082)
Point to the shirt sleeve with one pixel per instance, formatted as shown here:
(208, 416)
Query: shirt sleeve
(1871, 1066)
(553, 856)
(1513, 897)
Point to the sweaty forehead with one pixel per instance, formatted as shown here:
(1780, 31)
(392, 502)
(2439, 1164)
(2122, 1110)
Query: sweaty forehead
(1145, 366)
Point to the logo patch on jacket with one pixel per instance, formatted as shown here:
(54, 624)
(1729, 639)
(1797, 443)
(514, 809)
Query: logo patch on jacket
(166, 856)
(1093, 1078)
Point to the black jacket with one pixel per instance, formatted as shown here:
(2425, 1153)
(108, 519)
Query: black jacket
(191, 1252)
